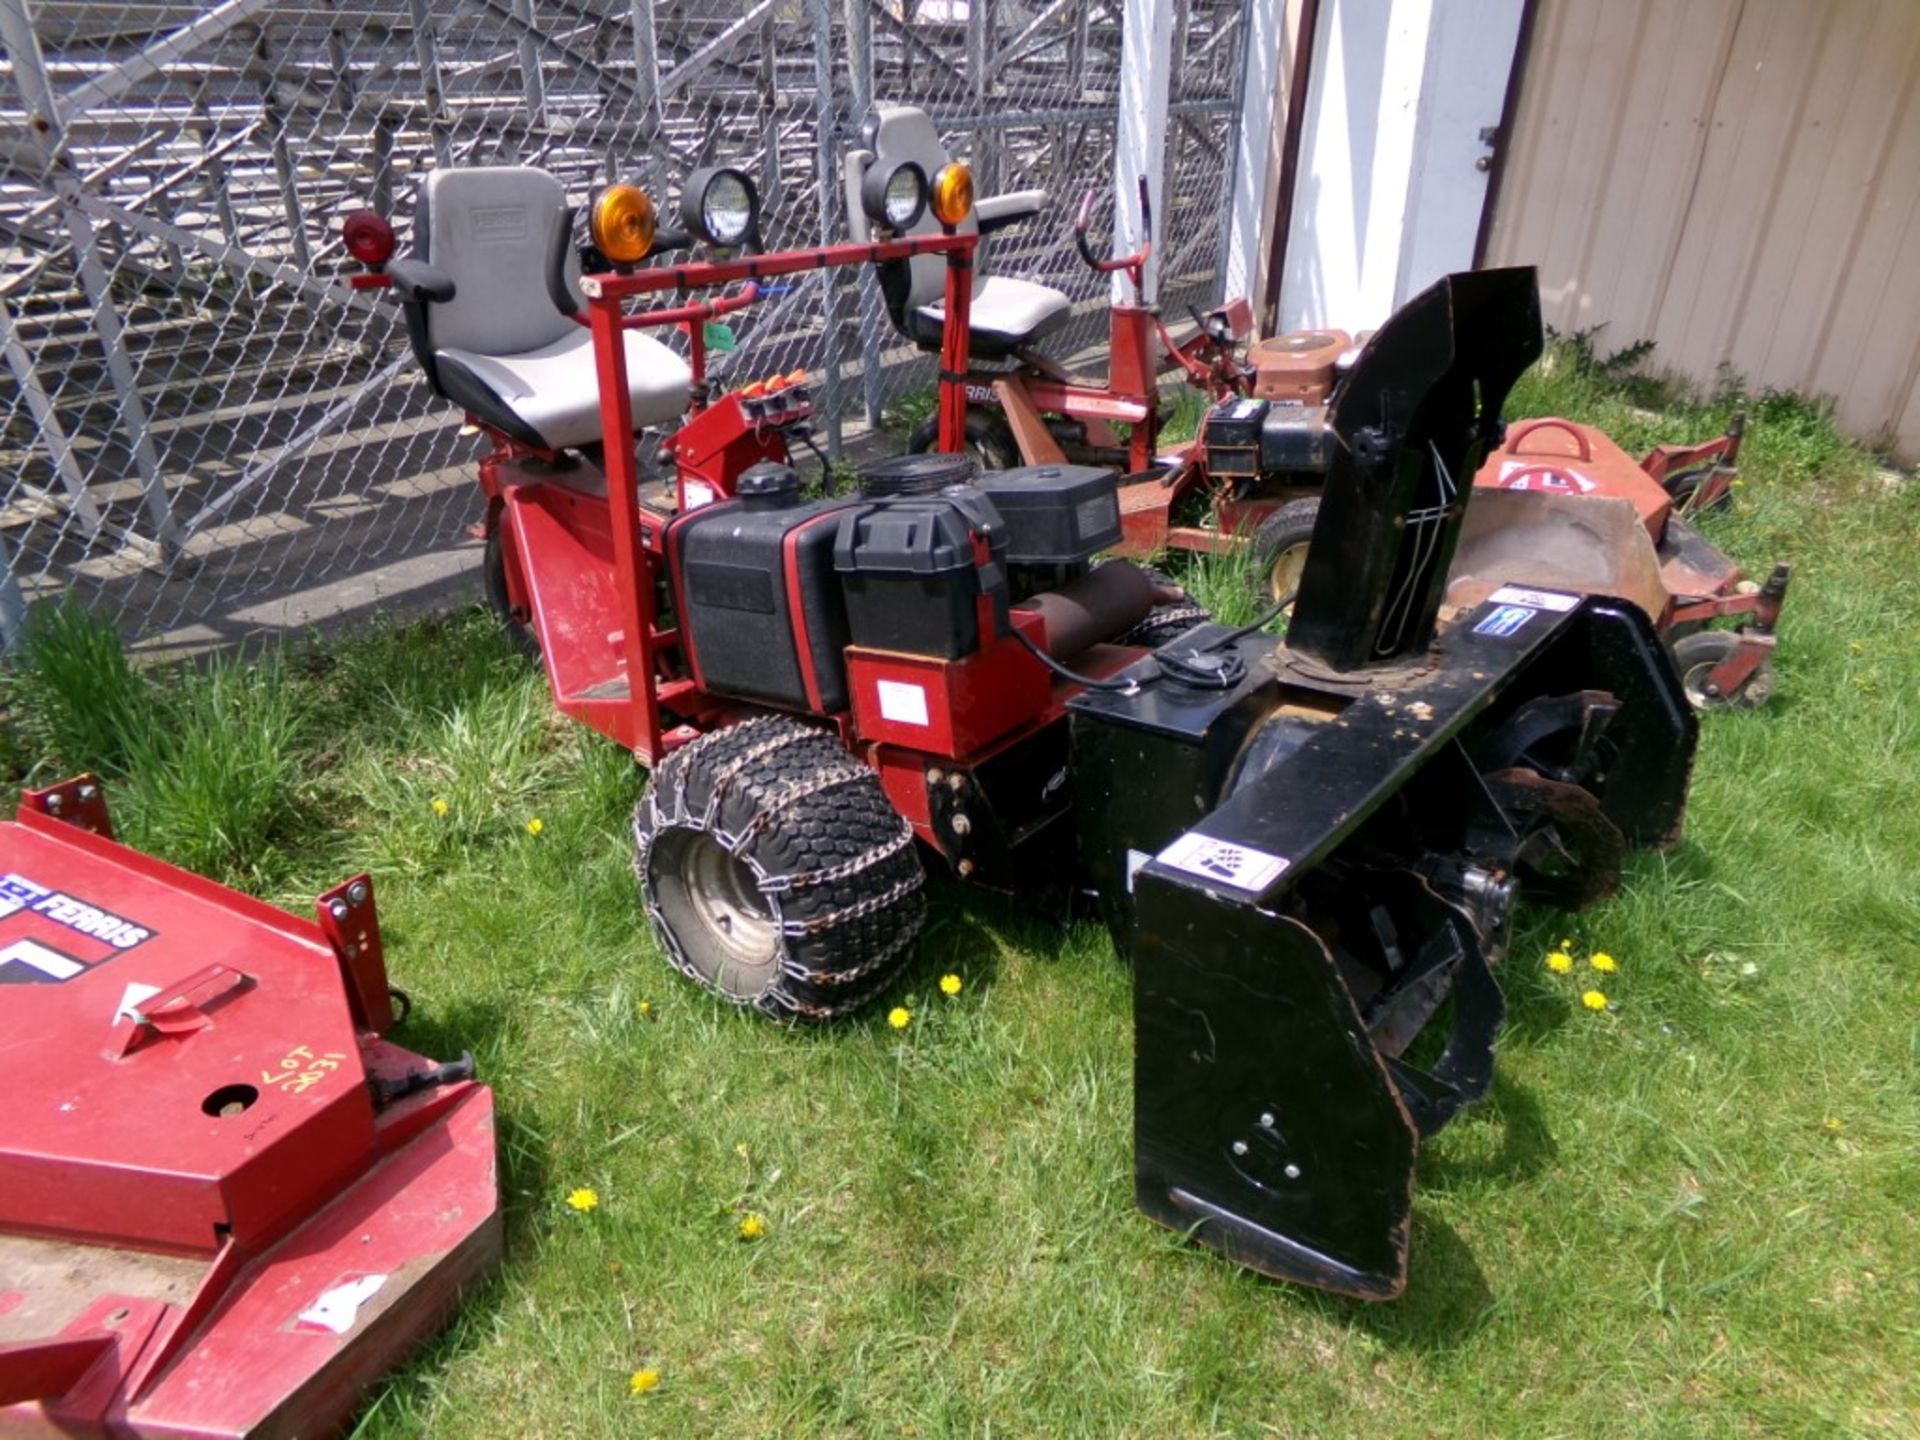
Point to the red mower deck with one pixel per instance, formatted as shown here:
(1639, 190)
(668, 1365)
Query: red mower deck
(210, 1225)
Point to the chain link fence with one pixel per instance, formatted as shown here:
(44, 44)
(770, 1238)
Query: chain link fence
(203, 431)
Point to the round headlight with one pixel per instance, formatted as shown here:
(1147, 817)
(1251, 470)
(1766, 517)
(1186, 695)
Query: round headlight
(622, 224)
(369, 238)
(720, 205)
(894, 198)
(952, 194)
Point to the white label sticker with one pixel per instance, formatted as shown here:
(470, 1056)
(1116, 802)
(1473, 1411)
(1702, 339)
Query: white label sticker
(695, 493)
(1539, 599)
(1240, 866)
(50, 963)
(338, 1308)
(902, 703)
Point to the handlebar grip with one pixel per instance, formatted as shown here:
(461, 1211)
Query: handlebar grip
(1080, 231)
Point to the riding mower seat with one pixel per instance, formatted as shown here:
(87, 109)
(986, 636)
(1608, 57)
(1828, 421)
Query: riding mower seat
(489, 299)
(1005, 315)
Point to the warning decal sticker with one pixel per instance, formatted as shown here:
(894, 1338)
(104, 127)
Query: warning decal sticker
(1240, 866)
(1539, 599)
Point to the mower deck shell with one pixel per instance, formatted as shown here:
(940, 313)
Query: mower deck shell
(207, 1227)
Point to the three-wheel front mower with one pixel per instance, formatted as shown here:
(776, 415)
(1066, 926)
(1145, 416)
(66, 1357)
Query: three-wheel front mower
(1309, 849)
(228, 1204)
(1564, 506)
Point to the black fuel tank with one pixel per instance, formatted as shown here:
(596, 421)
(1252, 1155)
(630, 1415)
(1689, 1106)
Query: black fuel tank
(761, 610)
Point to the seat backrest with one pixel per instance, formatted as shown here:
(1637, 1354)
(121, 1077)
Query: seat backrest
(491, 228)
(893, 135)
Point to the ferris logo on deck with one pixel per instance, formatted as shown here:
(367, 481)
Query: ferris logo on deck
(18, 893)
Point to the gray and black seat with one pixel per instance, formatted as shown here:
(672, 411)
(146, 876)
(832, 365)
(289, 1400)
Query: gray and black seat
(1006, 315)
(489, 293)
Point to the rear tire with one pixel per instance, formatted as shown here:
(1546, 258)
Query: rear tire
(989, 439)
(1280, 546)
(1684, 488)
(776, 871)
(493, 577)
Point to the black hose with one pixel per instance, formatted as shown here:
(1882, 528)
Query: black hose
(1259, 622)
(1231, 669)
(1223, 679)
(1063, 672)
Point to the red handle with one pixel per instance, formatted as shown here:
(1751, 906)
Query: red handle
(1520, 432)
(699, 310)
(1134, 262)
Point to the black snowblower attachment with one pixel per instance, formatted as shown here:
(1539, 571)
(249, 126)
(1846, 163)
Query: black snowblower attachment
(1310, 849)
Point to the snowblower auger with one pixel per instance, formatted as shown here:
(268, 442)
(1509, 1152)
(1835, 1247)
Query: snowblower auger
(1310, 849)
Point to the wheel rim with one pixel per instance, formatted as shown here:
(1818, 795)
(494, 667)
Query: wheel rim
(1750, 693)
(1288, 566)
(711, 904)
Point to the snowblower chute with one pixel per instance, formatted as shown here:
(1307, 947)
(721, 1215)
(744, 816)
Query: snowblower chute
(1310, 849)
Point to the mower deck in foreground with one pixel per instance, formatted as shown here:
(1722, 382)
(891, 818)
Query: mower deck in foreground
(227, 1204)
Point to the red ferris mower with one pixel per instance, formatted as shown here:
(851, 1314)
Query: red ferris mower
(1026, 408)
(1568, 508)
(1309, 850)
(227, 1203)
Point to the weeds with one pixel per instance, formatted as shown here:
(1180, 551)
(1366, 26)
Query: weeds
(216, 769)
(85, 704)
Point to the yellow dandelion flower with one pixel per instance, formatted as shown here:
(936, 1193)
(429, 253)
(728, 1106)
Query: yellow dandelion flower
(950, 984)
(642, 1381)
(899, 1017)
(584, 1199)
(1594, 1000)
(644, 1009)
(1603, 962)
(741, 1149)
(1833, 1122)
(1854, 647)
(1560, 962)
(440, 806)
(752, 1227)
(1566, 944)
(536, 825)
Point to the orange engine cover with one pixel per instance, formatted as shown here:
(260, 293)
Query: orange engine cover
(1297, 366)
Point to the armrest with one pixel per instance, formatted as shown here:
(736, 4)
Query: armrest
(418, 282)
(999, 211)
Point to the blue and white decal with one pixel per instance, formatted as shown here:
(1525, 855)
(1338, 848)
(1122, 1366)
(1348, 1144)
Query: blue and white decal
(1505, 621)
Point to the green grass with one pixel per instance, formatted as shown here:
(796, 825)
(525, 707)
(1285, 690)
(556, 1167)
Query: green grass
(1695, 1214)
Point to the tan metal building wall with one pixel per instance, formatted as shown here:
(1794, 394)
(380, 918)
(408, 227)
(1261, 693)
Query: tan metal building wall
(1736, 180)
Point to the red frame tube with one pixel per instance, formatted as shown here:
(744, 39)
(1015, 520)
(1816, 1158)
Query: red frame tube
(634, 549)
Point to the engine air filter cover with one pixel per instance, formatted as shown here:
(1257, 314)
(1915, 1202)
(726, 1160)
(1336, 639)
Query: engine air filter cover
(1055, 514)
(914, 475)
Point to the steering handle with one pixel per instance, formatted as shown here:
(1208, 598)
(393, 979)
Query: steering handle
(1125, 262)
(698, 310)
(1518, 434)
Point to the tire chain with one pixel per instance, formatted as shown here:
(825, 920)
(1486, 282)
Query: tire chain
(747, 747)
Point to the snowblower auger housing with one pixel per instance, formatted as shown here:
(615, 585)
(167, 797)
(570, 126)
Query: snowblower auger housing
(1310, 849)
